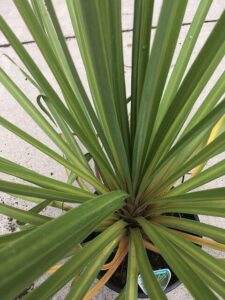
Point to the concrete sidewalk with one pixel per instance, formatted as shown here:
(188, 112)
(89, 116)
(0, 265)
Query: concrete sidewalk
(16, 150)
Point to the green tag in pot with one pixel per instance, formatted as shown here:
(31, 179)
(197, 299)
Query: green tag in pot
(163, 276)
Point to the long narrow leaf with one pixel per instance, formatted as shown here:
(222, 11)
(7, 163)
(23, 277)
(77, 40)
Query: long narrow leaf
(14, 169)
(205, 154)
(212, 264)
(26, 190)
(210, 278)
(214, 172)
(76, 82)
(151, 284)
(183, 58)
(169, 25)
(79, 287)
(40, 146)
(23, 216)
(35, 254)
(143, 11)
(93, 46)
(74, 265)
(191, 87)
(190, 278)
(38, 118)
(194, 227)
(132, 274)
(57, 102)
(5, 239)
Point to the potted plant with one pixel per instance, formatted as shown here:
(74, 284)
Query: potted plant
(135, 221)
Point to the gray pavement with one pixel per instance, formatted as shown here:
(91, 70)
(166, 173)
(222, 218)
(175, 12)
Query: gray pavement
(13, 148)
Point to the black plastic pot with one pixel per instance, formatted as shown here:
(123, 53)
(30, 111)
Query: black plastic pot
(117, 281)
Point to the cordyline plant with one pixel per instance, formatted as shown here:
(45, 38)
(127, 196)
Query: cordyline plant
(141, 146)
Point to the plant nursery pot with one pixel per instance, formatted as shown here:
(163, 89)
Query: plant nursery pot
(118, 280)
